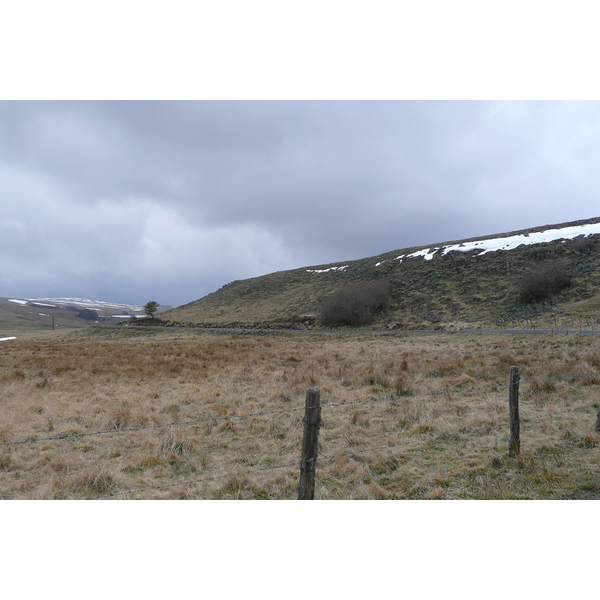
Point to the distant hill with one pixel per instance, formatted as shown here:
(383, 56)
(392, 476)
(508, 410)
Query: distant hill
(20, 314)
(472, 281)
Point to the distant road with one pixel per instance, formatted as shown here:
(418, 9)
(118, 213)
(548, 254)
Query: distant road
(525, 331)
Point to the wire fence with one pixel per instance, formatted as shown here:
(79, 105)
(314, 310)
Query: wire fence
(392, 398)
(143, 427)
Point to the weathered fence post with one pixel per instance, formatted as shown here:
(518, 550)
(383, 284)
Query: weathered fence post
(308, 462)
(514, 445)
(597, 428)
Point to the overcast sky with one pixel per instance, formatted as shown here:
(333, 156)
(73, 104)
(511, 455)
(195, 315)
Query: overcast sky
(169, 200)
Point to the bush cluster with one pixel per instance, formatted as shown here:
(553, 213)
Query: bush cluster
(354, 304)
(584, 245)
(543, 282)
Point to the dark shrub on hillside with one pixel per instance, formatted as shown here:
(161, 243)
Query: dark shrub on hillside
(354, 304)
(543, 282)
(584, 244)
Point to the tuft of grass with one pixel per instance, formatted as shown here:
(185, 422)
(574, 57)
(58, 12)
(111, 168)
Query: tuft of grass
(119, 419)
(97, 481)
(7, 462)
(176, 443)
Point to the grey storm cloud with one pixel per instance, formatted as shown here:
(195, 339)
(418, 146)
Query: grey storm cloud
(127, 201)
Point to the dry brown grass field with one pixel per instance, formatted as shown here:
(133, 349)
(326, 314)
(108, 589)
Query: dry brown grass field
(191, 415)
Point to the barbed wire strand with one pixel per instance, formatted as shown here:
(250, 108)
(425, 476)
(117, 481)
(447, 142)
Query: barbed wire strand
(330, 456)
(566, 452)
(567, 378)
(550, 414)
(394, 398)
(142, 427)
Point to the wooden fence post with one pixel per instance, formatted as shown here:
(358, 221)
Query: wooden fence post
(514, 445)
(308, 462)
(597, 427)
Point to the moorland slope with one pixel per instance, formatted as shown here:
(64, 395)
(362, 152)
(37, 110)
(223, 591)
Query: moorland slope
(473, 281)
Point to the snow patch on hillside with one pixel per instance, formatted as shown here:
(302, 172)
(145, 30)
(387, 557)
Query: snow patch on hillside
(326, 270)
(509, 243)
(493, 244)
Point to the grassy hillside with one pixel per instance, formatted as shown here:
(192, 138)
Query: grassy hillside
(455, 287)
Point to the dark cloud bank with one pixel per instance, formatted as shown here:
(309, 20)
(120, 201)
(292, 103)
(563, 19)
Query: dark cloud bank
(131, 201)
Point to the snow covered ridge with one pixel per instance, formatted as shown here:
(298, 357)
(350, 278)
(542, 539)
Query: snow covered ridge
(494, 244)
(508, 243)
(79, 302)
(326, 270)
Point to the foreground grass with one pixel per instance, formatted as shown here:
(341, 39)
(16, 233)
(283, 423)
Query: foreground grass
(410, 417)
